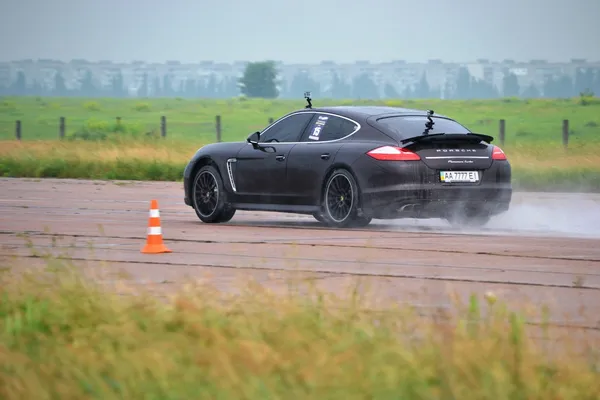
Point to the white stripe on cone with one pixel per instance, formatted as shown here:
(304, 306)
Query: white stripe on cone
(154, 214)
(154, 230)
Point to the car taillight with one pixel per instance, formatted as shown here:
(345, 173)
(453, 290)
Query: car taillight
(498, 154)
(391, 153)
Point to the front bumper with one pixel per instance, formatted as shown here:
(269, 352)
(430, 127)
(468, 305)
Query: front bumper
(187, 182)
(186, 192)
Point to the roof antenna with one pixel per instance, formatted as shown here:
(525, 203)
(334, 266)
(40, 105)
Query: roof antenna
(308, 99)
(429, 124)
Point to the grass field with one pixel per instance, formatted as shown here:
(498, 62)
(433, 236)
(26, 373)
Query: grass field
(541, 167)
(133, 150)
(63, 337)
(194, 120)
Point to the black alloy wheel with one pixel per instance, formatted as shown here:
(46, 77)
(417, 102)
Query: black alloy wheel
(209, 202)
(341, 201)
(339, 198)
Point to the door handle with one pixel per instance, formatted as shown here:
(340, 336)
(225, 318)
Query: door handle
(280, 158)
(325, 156)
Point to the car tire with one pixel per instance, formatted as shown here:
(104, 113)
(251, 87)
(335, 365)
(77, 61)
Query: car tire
(208, 197)
(227, 214)
(360, 222)
(319, 217)
(340, 201)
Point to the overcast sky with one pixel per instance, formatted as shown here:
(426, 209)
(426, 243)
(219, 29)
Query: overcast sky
(299, 31)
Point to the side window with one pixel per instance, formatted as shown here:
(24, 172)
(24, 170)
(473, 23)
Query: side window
(328, 127)
(288, 129)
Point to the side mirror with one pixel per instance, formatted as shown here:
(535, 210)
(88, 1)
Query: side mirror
(253, 139)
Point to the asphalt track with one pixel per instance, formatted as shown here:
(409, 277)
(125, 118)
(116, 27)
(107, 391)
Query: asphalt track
(546, 250)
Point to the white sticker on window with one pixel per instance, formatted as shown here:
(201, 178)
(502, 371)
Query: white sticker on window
(321, 120)
(315, 133)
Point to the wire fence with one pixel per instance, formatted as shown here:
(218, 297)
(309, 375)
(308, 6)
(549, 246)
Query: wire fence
(215, 130)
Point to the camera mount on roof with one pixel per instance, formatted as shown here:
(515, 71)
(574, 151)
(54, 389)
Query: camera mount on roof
(308, 99)
(429, 124)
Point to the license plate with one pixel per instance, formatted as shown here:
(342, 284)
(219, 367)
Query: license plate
(459, 176)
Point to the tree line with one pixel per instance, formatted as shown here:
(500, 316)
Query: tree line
(260, 80)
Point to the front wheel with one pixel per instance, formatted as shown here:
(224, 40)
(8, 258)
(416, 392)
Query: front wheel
(208, 196)
(340, 204)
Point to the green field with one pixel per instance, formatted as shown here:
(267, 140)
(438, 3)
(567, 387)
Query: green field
(61, 337)
(133, 148)
(527, 121)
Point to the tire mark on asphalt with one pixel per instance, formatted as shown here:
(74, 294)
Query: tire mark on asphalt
(321, 260)
(287, 242)
(292, 222)
(329, 272)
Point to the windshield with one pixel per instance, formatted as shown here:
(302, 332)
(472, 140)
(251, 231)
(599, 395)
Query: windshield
(410, 126)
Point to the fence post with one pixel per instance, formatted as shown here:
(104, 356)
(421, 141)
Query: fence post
(270, 120)
(163, 126)
(565, 133)
(18, 130)
(502, 131)
(218, 128)
(61, 128)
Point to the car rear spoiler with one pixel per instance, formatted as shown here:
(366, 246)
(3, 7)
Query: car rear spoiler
(477, 137)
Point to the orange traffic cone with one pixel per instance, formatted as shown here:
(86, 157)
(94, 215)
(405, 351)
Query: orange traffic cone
(154, 241)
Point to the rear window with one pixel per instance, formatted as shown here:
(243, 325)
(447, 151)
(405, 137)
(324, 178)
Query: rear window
(410, 126)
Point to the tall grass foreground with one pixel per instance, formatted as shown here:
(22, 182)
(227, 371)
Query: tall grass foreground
(62, 336)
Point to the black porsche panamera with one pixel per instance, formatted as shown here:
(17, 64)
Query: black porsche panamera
(346, 165)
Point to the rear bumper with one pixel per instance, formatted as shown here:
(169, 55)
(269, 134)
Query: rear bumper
(413, 190)
(433, 201)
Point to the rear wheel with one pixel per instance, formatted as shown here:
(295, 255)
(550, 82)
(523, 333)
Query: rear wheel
(319, 217)
(208, 196)
(340, 207)
(360, 222)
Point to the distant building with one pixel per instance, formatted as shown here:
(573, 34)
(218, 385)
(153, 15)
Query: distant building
(399, 74)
